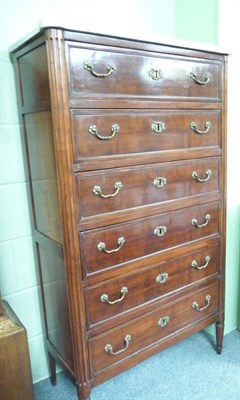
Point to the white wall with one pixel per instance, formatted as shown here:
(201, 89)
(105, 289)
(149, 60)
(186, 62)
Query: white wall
(18, 282)
(229, 33)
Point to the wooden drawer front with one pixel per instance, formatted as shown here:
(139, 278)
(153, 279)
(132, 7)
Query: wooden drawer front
(152, 328)
(142, 75)
(139, 238)
(146, 185)
(139, 287)
(108, 133)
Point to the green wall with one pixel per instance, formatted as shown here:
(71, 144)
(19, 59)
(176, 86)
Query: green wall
(205, 21)
(197, 20)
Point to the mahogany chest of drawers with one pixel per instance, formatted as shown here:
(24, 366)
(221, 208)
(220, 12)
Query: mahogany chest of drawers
(125, 152)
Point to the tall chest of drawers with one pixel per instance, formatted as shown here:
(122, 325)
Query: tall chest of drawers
(125, 152)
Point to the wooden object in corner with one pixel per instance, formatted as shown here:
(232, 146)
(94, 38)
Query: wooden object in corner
(1, 307)
(15, 371)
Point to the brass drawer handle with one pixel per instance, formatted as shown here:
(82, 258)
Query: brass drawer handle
(105, 299)
(207, 78)
(208, 174)
(164, 321)
(98, 191)
(195, 222)
(207, 126)
(194, 263)
(160, 230)
(162, 278)
(159, 182)
(88, 67)
(102, 246)
(94, 131)
(109, 349)
(155, 74)
(158, 126)
(196, 306)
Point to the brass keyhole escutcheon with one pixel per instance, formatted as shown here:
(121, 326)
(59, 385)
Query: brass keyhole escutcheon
(164, 321)
(155, 74)
(160, 231)
(158, 126)
(159, 182)
(162, 278)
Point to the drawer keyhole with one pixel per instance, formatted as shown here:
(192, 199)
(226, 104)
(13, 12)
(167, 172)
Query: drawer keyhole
(158, 126)
(160, 231)
(155, 74)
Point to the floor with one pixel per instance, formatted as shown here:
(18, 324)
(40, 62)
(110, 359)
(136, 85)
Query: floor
(189, 370)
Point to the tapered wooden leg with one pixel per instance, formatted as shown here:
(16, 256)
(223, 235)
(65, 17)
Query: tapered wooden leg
(83, 391)
(219, 336)
(52, 366)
